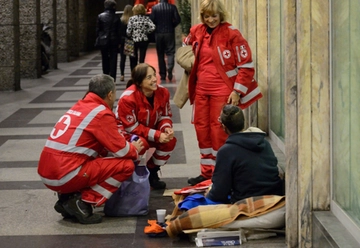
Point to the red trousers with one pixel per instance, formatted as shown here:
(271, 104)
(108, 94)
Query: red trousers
(162, 152)
(209, 132)
(98, 179)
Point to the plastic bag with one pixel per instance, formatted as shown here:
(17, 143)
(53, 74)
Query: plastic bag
(132, 197)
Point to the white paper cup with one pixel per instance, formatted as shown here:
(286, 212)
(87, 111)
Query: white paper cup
(160, 214)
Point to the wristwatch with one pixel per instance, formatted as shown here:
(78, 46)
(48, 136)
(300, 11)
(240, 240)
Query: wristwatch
(237, 93)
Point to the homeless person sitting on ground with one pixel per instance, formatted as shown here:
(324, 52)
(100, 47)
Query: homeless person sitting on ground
(245, 183)
(73, 162)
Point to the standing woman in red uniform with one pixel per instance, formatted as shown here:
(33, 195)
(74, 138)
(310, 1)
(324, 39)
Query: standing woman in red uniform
(222, 74)
(144, 110)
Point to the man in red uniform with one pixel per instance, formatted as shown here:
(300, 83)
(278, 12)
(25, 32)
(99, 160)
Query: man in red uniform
(74, 161)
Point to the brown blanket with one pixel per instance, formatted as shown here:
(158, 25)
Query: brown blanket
(213, 216)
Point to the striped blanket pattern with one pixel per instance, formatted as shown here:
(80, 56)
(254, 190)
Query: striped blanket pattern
(213, 216)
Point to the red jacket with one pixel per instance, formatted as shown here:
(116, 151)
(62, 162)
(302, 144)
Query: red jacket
(81, 135)
(137, 115)
(232, 57)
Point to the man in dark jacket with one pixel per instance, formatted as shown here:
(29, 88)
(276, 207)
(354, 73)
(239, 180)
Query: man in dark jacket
(166, 17)
(108, 23)
(246, 165)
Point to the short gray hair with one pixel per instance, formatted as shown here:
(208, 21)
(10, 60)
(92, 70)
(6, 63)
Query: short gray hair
(101, 85)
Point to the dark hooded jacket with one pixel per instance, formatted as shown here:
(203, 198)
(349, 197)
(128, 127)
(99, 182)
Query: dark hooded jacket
(246, 166)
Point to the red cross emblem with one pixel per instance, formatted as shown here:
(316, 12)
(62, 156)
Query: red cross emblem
(61, 126)
(130, 118)
(226, 54)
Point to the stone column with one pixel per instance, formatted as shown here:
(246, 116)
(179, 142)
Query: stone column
(9, 54)
(83, 28)
(73, 26)
(63, 53)
(30, 62)
(48, 16)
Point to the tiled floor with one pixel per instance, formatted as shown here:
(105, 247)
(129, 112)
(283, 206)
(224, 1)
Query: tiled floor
(26, 208)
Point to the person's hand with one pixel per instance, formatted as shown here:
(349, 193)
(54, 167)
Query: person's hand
(165, 138)
(138, 145)
(170, 132)
(233, 99)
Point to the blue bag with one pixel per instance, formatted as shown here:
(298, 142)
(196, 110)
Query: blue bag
(132, 197)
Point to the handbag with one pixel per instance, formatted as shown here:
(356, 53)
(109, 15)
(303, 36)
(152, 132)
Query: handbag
(129, 47)
(181, 94)
(132, 197)
(102, 40)
(185, 58)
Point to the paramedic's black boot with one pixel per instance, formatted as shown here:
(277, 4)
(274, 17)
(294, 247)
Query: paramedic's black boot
(195, 180)
(82, 211)
(154, 179)
(59, 205)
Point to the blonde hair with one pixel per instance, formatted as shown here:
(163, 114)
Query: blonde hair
(139, 9)
(127, 14)
(213, 7)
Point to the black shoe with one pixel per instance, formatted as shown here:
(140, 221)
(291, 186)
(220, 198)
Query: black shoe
(81, 210)
(154, 179)
(196, 180)
(162, 78)
(61, 210)
(59, 207)
(170, 75)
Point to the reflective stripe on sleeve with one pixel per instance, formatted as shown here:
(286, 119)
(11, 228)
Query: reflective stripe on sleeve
(165, 125)
(232, 73)
(240, 87)
(130, 129)
(164, 118)
(124, 151)
(238, 54)
(84, 123)
(247, 65)
(220, 55)
(250, 96)
(151, 135)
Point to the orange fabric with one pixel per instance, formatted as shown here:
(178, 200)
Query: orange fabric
(153, 228)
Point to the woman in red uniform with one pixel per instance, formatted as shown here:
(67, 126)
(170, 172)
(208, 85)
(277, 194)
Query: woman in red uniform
(222, 74)
(144, 110)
